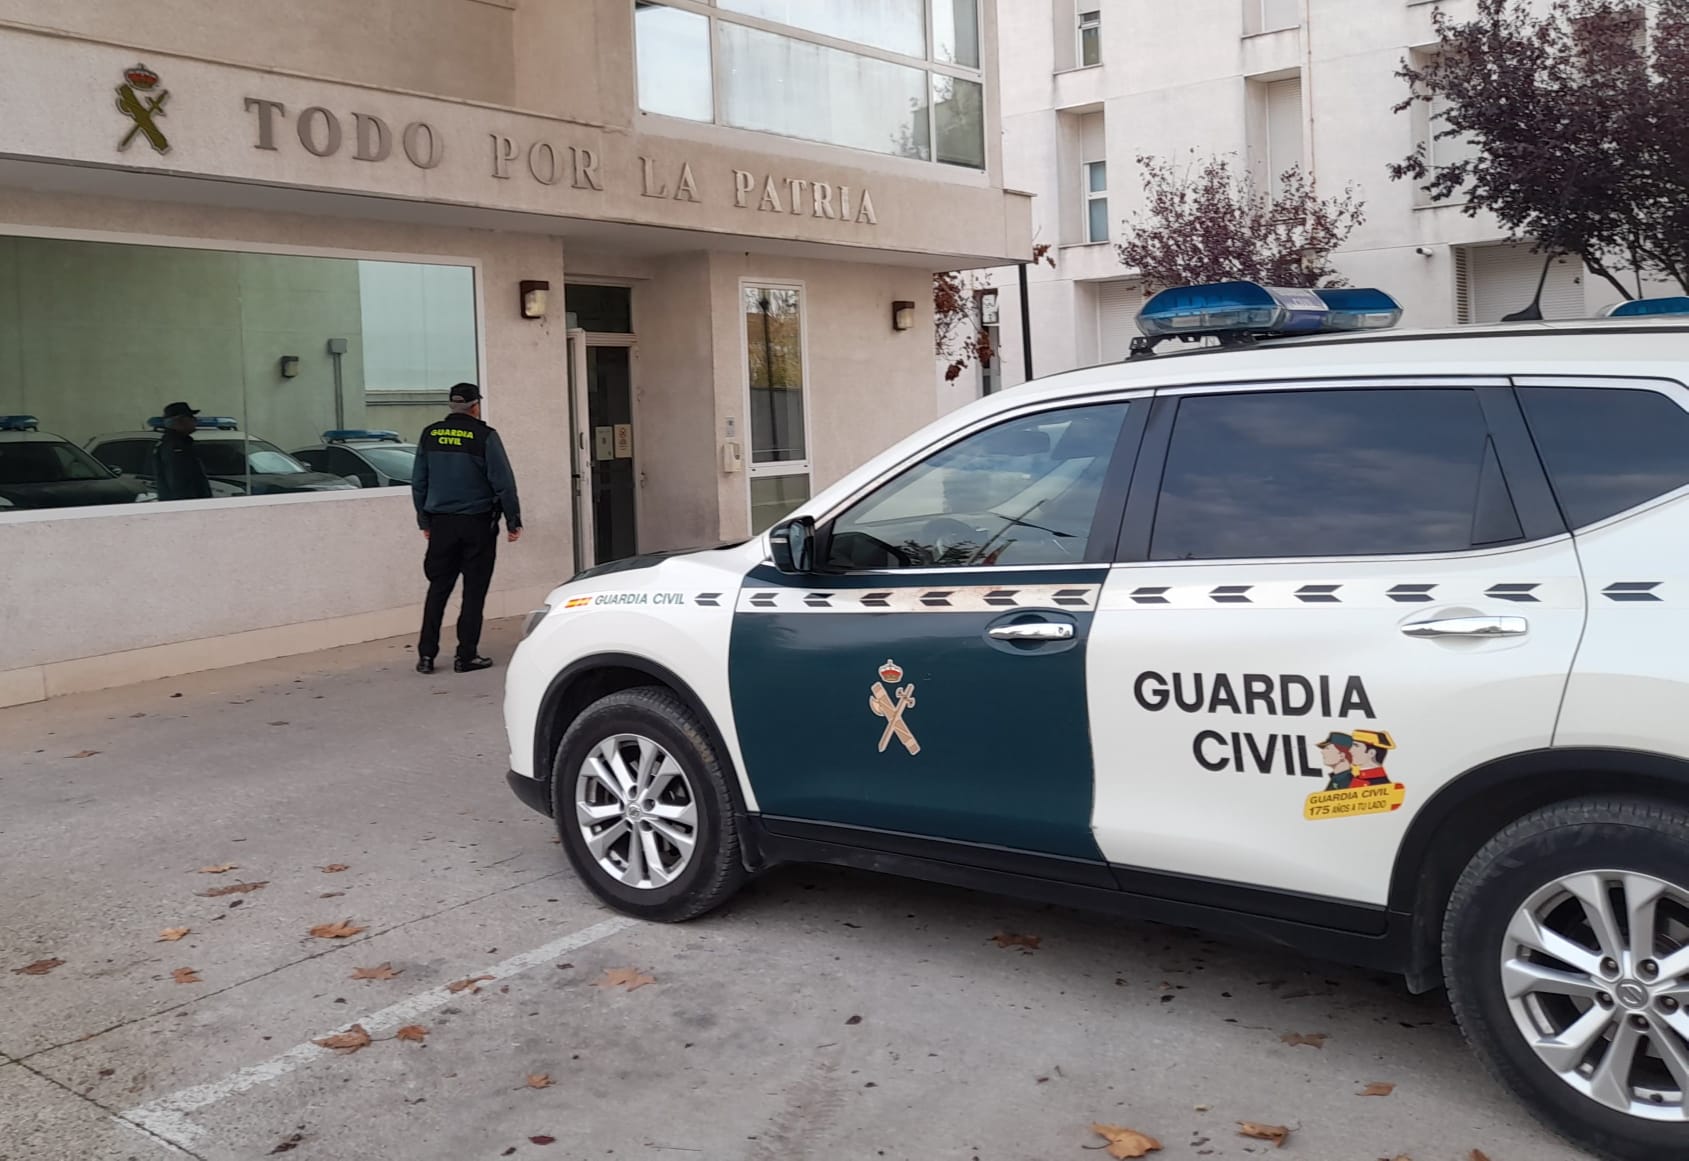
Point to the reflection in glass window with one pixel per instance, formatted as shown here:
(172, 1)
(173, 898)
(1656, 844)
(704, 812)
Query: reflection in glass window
(1021, 493)
(272, 350)
(606, 309)
(773, 498)
(958, 121)
(955, 32)
(894, 25)
(774, 348)
(779, 85)
(1607, 450)
(673, 48)
(1321, 474)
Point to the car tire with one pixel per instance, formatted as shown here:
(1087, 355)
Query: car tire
(1526, 888)
(687, 795)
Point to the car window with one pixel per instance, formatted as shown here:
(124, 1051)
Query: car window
(1605, 449)
(1021, 493)
(344, 462)
(34, 462)
(395, 462)
(268, 459)
(126, 455)
(1324, 473)
(314, 458)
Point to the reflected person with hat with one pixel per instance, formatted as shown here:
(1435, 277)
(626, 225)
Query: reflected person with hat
(177, 468)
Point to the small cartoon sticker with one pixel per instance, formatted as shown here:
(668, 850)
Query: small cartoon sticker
(883, 705)
(1357, 781)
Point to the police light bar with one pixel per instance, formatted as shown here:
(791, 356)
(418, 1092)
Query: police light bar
(1646, 307)
(215, 422)
(19, 423)
(347, 434)
(1239, 312)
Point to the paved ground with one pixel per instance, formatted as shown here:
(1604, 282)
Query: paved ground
(823, 1015)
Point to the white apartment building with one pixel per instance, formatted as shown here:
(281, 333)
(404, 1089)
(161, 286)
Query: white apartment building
(1089, 85)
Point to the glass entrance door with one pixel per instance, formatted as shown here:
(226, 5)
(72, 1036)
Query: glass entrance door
(610, 447)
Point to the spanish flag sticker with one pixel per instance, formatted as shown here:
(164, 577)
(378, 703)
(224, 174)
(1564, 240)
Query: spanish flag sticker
(1381, 798)
(577, 602)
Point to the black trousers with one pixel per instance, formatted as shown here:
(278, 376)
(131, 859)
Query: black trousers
(457, 545)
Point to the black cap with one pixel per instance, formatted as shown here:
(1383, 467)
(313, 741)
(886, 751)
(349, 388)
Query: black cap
(173, 410)
(465, 393)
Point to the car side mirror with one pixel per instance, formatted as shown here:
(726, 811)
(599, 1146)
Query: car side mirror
(792, 545)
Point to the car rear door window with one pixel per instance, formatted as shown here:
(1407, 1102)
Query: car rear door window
(1607, 449)
(1329, 473)
(126, 455)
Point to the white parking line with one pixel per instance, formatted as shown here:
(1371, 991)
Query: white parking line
(167, 1118)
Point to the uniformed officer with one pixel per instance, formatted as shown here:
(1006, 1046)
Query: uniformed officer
(461, 484)
(1371, 748)
(177, 469)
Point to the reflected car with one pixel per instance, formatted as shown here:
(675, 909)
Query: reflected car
(376, 459)
(236, 463)
(41, 470)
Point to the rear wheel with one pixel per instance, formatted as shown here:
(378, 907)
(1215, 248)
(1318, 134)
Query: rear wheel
(1566, 950)
(643, 807)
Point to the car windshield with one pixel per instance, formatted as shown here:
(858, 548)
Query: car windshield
(393, 462)
(225, 458)
(32, 462)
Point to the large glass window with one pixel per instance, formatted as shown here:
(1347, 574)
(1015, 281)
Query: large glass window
(100, 341)
(674, 62)
(1328, 473)
(911, 91)
(894, 25)
(774, 358)
(780, 85)
(1607, 450)
(1024, 492)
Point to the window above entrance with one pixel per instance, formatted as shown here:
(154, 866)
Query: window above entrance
(890, 76)
(606, 310)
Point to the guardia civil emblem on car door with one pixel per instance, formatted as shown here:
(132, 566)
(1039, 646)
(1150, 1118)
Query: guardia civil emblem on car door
(884, 706)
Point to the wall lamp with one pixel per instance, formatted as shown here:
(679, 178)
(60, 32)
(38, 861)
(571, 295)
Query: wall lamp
(902, 315)
(534, 298)
(290, 366)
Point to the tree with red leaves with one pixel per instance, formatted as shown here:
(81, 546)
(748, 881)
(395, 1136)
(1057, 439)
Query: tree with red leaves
(1205, 223)
(958, 333)
(1579, 115)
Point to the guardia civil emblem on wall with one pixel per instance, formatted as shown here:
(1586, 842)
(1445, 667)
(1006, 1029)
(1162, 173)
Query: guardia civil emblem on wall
(141, 100)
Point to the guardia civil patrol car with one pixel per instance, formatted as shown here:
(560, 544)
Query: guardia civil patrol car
(1374, 645)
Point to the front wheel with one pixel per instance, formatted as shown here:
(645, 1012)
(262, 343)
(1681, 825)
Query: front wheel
(1566, 951)
(643, 807)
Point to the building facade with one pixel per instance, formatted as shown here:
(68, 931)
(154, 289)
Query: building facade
(1089, 86)
(676, 243)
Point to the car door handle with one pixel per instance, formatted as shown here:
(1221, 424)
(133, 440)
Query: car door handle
(1033, 631)
(1468, 627)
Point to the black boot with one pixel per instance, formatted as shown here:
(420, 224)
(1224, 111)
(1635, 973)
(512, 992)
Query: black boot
(470, 665)
(425, 665)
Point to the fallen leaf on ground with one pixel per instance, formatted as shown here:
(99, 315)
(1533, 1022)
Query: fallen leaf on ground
(1007, 940)
(335, 868)
(383, 972)
(1377, 1088)
(346, 1042)
(1123, 1143)
(331, 894)
(1312, 1039)
(854, 1020)
(186, 976)
(234, 889)
(83, 754)
(218, 868)
(1478, 1155)
(1277, 1134)
(289, 1143)
(278, 723)
(39, 968)
(172, 934)
(539, 1080)
(473, 983)
(542, 1139)
(412, 1032)
(343, 929)
(630, 978)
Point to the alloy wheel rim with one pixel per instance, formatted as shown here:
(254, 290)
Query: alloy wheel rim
(1595, 970)
(636, 811)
